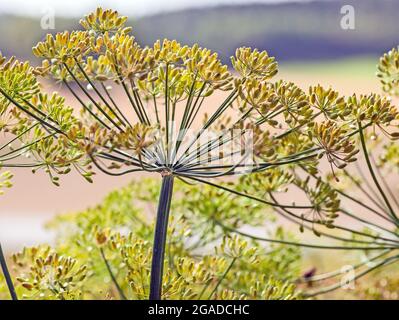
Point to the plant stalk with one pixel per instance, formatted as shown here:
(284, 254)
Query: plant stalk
(377, 184)
(7, 275)
(161, 228)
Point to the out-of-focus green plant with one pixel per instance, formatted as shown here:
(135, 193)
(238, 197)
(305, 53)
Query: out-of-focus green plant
(388, 71)
(105, 252)
(273, 135)
(385, 288)
(46, 274)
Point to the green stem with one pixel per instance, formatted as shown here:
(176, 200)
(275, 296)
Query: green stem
(248, 196)
(359, 275)
(223, 277)
(370, 167)
(298, 244)
(333, 274)
(7, 275)
(384, 182)
(111, 274)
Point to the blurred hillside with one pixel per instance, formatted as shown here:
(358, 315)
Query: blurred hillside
(295, 31)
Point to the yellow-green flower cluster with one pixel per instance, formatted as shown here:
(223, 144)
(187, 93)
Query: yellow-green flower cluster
(388, 71)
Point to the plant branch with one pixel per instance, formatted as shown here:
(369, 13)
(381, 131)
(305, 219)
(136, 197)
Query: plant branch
(370, 167)
(7, 275)
(223, 277)
(111, 274)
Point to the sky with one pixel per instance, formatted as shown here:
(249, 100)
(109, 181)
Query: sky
(131, 7)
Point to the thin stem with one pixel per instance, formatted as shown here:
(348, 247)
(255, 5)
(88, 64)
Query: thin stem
(251, 168)
(19, 136)
(374, 197)
(370, 167)
(369, 223)
(292, 216)
(223, 277)
(167, 114)
(26, 146)
(184, 117)
(363, 205)
(109, 172)
(93, 114)
(357, 201)
(216, 114)
(98, 92)
(333, 274)
(249, 196)
(384, 182)
(298, 244)
(105, 89)
(359, 275)
(129, 96)
(206, 286)
(92, 99)
(139, 103)
(24, 109)
(111, 274)
(7, 275)
(122, 81)
(161, 228)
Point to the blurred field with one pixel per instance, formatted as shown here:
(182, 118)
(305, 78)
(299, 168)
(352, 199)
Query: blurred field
(347, 76)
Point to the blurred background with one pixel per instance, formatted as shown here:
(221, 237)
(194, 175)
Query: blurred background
(308, 38)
